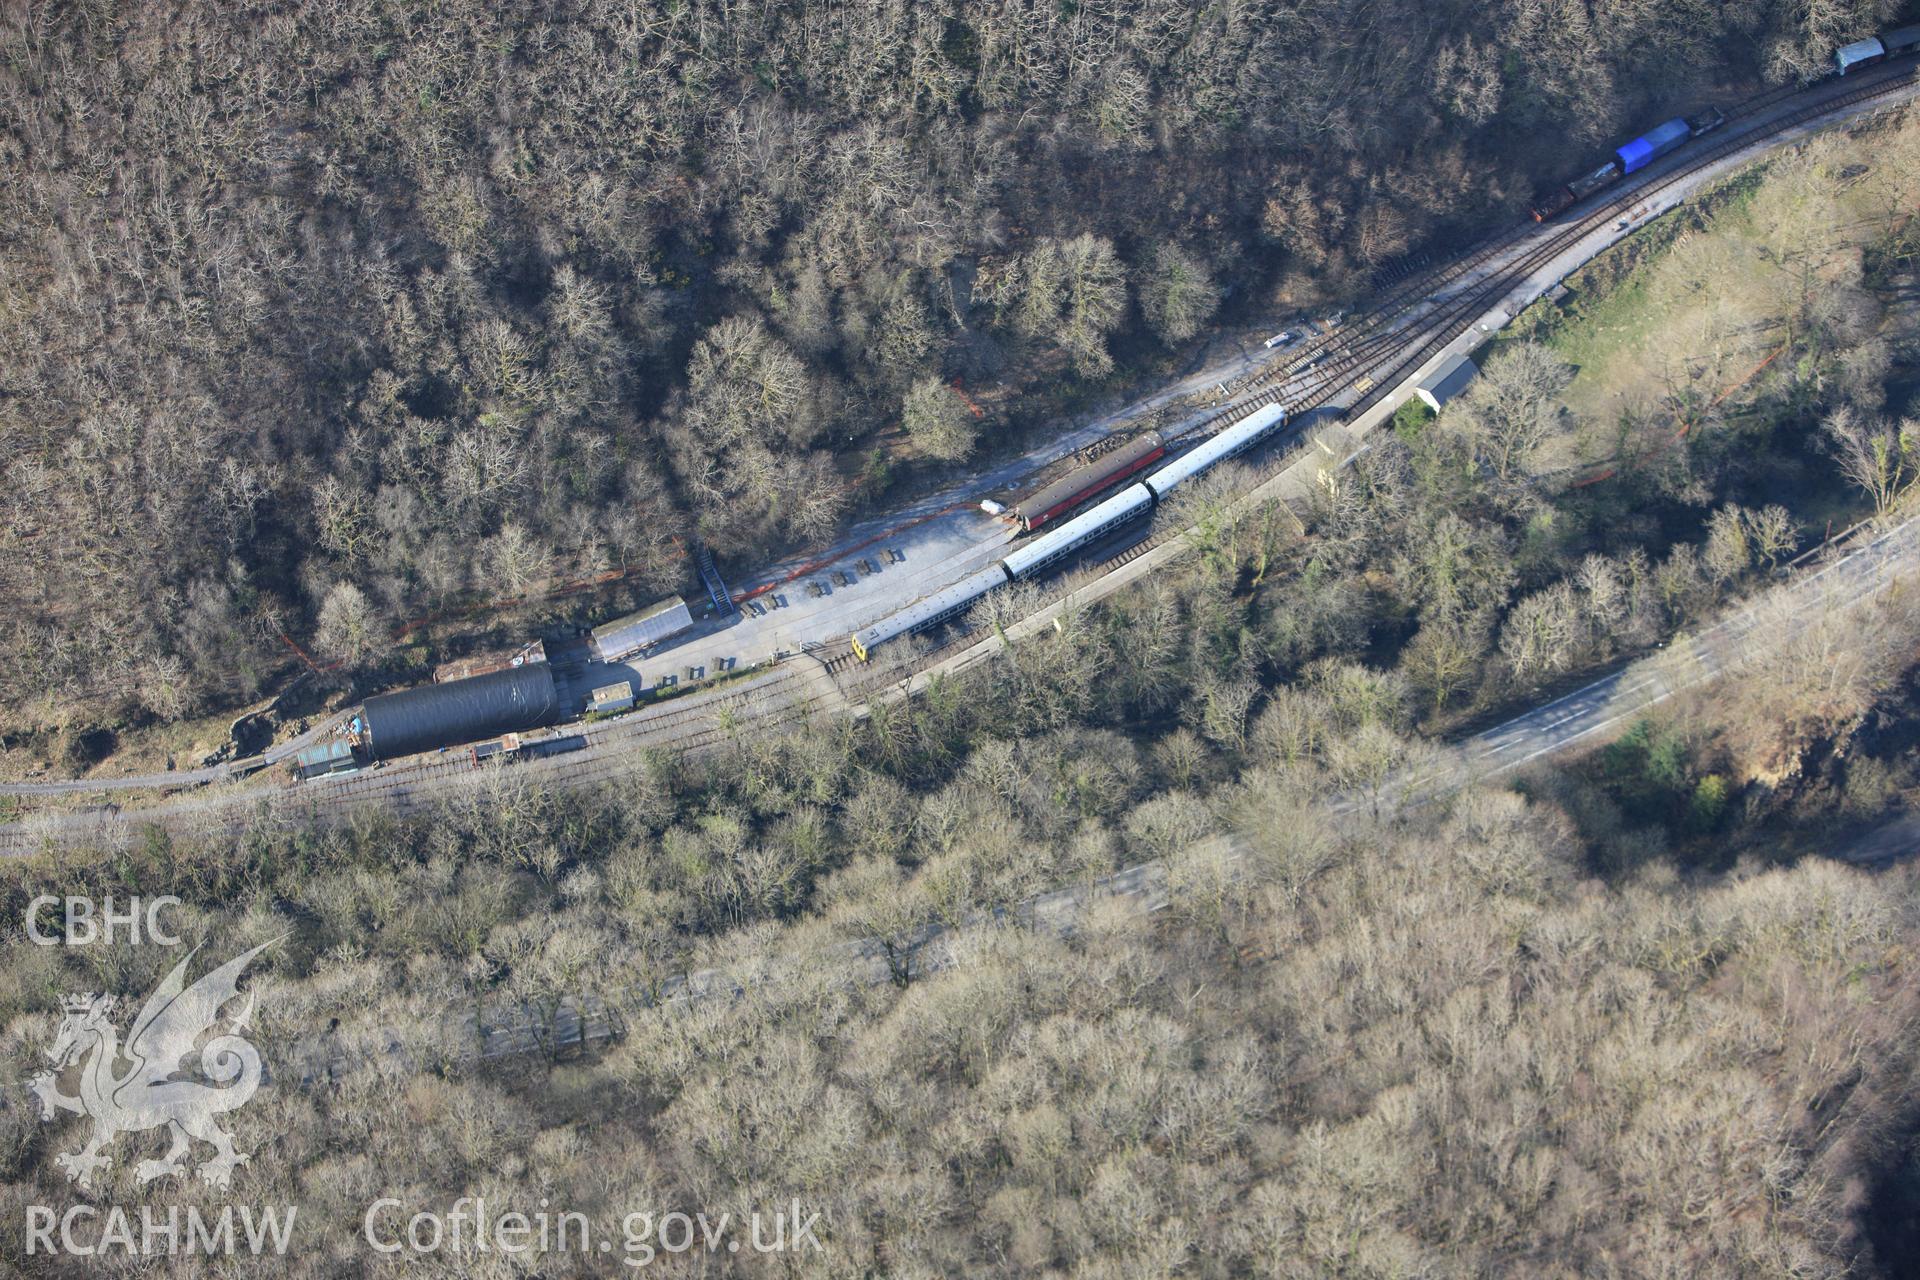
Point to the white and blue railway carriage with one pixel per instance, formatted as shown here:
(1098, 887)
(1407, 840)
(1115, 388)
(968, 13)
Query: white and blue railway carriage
(1042, 553)
(930, 610)
(1128, 504)
(1230, 443)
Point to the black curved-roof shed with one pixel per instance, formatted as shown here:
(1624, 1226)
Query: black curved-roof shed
(444, 715)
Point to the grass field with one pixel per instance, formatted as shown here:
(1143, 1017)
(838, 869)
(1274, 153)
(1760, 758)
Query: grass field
(1681, 318)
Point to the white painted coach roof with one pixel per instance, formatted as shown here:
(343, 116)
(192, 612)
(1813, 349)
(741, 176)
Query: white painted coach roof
(1123, 505)
(1222, 444)
(925, 610)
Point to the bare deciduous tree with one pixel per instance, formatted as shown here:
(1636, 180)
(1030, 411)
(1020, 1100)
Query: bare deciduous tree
(1513, 407)
(1880, 458)
(350, 627)
(1178, 294)
(938, 422)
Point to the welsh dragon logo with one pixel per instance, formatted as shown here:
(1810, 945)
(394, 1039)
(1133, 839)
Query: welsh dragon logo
(148, 1093)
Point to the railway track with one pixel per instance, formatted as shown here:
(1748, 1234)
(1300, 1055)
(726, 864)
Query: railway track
(1428, 280)
(1356, 349)
(576, 1023)
(613, 747)
(1425, 312)
(1387, 341)
(1691, 161)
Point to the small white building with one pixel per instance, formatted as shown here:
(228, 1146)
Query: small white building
(613, 697)
(1446, 382)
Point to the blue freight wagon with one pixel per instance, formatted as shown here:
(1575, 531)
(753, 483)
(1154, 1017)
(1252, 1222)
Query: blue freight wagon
(1650, 146)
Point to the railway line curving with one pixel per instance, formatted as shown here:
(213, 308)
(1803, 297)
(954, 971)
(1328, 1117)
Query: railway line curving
(1419, 317)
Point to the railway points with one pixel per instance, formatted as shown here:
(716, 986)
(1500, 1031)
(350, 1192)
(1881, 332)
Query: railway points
(1357, 370)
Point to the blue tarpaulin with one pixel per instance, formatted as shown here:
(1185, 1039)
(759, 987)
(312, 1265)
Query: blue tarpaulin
(1636, 154)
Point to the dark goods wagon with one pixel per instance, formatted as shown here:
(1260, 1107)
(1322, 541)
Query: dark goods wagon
(1579, 189)
(445, 715)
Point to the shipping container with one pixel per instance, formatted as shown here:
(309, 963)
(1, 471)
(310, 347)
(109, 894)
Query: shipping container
(1861, 53)
(1653, 144)
(1581, 188)
(1901, 40)
(1707, 121)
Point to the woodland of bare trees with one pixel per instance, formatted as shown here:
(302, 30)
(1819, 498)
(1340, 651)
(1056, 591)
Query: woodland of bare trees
(374, 306)
(1553, 1028)
(318, 318)
(1626, 1016)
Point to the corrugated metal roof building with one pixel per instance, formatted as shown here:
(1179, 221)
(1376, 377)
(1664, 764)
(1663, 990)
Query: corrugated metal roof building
(659, 621)
(1448, 381)
(335, 756)
(446, 715)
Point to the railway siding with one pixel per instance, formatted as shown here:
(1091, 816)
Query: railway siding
(1477, 300)
(1839, 575)
(1462, 306)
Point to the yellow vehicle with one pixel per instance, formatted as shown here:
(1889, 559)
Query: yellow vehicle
(929, 611)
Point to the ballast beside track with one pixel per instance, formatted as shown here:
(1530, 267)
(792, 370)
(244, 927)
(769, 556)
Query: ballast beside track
(1381, 343)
